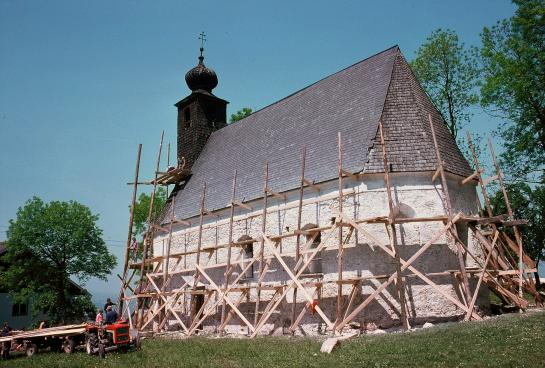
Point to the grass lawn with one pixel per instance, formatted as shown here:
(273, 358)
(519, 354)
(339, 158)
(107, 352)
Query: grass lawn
(508, 341)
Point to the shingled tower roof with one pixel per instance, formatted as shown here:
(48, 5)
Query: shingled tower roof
(351, 101)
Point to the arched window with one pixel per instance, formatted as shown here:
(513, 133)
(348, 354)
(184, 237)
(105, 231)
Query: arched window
(248, 249)
(315, 266)
(187, 114)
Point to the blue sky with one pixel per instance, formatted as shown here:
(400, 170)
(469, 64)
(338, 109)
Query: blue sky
(83, 82)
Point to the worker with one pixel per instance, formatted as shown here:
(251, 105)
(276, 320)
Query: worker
(43, 324)
(108, 303)
(6, 345)
(6, 329)
(99, 317)
(111, 315)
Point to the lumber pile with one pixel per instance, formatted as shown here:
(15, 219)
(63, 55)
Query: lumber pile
(67, 330)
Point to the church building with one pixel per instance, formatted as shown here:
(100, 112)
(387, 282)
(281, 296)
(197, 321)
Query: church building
(304, 179)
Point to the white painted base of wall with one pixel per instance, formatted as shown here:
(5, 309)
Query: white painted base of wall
(415, 196)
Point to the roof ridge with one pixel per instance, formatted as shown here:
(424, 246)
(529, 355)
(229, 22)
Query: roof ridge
(418, 103)
(372, 141)
(310, 85)
(415, 84)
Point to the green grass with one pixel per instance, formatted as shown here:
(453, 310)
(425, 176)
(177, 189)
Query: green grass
(507, 341)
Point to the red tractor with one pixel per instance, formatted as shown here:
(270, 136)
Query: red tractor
(100, 339)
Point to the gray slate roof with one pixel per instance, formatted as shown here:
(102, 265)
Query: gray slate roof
(350, 101)
(407, 129)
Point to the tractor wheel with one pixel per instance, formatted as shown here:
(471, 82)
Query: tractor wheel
(137, 342)
(69, 346)
(31, 349)
(101, 351)
(91, 344)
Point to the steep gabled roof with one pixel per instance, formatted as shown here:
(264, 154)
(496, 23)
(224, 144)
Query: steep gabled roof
(407, 129)
(350, 101)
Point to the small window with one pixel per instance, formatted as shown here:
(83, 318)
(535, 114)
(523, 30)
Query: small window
(187, 114)
(248, 250)
(315, 266)
(19, 309)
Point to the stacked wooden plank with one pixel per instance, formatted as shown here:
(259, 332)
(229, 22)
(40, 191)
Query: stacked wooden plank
(68, 330)
(174, 176)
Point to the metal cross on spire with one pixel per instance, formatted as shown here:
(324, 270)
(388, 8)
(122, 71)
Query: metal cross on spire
(202, 37)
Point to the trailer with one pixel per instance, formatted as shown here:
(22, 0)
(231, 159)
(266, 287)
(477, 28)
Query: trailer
(97, 338)
(61, 339)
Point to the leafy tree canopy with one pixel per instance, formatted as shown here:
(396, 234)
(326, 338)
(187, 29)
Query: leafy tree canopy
(141, 210)
(240, 114)
(48, 244)
(449, 72)
(513, 54)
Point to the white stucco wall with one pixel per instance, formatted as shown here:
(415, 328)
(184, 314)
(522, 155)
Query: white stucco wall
(417, 196)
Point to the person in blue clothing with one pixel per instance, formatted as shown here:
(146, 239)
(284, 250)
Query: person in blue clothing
(111, 315)
(108, 303)
(5, 347)
(6, 330)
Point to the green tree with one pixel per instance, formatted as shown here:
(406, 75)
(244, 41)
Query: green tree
(513, 55)
(240, 114)
(141, 210)
(527, 203)
(48, 245)
(449, 73)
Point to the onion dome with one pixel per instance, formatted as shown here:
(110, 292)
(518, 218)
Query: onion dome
(201, 77)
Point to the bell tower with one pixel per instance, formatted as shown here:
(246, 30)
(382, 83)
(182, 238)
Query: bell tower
(200, 113)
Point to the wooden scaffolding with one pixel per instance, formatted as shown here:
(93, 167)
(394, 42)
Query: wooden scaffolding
(503, 265)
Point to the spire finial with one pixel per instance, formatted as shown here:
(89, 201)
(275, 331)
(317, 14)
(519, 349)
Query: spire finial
(201, 77)
(202, 37)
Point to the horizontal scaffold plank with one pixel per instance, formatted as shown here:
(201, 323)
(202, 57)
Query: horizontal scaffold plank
(280, 196)
(311, 184)
(472, 176)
